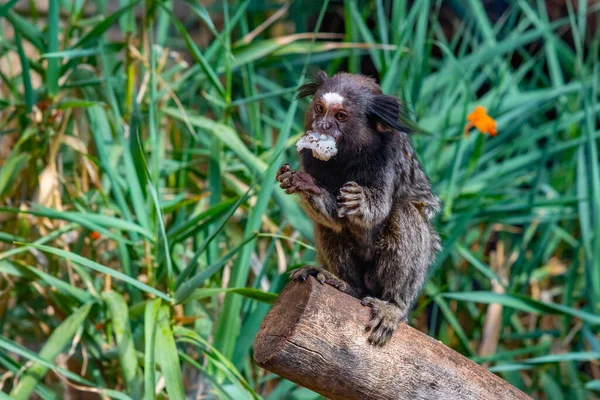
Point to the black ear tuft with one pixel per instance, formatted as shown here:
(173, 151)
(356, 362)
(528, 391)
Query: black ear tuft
(385, 110)
(311, 86)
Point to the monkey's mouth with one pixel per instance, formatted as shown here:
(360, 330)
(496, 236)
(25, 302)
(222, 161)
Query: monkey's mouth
(323, 146)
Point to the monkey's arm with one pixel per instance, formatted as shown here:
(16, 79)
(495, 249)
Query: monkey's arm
(415, 187)
(421, 196)
(365, 206)
(317, 201)
(322, 208)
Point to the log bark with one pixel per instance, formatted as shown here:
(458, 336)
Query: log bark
(315, 336)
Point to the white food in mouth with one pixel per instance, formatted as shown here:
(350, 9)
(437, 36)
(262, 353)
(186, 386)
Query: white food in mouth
(323, 146)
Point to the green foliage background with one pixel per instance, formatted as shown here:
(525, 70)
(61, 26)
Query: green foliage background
(143, 238)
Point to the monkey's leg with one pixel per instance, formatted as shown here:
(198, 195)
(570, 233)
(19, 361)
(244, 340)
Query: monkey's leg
(399, 294)
(403, 259)
(323, 276)
(340, 267)
(385, 317)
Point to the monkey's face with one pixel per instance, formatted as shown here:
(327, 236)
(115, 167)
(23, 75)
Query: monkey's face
(329, 116)
(350, 109)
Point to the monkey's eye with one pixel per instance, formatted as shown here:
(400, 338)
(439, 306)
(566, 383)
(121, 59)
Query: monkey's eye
(341, 116)
(319, 108)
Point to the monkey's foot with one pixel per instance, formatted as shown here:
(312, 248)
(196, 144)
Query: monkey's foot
(296, 181)
(385, 317)
(351, 199)
(302, 274)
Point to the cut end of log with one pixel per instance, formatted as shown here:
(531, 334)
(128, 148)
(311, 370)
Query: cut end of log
(315, 336)
(275, 330)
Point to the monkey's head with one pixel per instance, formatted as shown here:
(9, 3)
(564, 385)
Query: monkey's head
(350, 108)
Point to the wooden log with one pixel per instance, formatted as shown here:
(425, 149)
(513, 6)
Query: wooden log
(315, 336)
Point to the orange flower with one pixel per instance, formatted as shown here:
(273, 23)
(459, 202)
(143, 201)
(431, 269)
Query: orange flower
(480, 120)
(95, 235)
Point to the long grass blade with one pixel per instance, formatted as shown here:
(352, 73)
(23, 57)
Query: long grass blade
(55, 344)
(100, 268)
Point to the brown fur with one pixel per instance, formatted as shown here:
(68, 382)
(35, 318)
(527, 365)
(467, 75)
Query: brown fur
(371, 204)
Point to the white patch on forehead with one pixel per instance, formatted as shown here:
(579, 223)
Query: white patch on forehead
(331, 98)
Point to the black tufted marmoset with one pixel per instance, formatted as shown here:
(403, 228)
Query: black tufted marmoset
(371, 203)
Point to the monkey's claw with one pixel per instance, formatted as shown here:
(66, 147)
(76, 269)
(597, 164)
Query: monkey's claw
(385, 318)
(296, 181)
(302, 274)
(282, 170)
(351, 199)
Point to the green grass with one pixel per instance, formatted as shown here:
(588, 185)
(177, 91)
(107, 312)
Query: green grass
(142, 234)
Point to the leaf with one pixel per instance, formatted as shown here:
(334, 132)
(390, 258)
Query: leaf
(196, 53)
(52, 69)
(121, 327)
(524, 304)
(100, 268)
(19, 350)
(29, 31)
(365, 32)
(135, 179)
(193, 225)
(509, 367)
(5, 8)
(48, 238)
(60, 286)
(555, 358)
(4, 396)
(75, 103)
(163, 239)
(101, 132)
(229, 325)
(433, 291)
(11, 169)
(73, 53)
(93, 222)
(217, 358)
(551, 358)
(150, 326)
(187, 287)
(204, 15)
(221, 391)
(226, 134)
(593, 385)
(191, 266)
(251, 293)
(89, 39)
(255, 294)
(166, 355)
(58, 340)
(25, 74)
(231, 139)
(481, 267)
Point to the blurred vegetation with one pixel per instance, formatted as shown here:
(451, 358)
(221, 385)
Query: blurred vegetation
(143, 237)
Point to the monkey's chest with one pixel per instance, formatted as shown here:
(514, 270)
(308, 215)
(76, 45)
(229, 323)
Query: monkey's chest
(333, 175)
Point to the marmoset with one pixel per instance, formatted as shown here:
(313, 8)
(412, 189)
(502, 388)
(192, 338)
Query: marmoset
(367, 194)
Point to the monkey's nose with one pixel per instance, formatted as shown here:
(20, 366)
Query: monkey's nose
(324, 125)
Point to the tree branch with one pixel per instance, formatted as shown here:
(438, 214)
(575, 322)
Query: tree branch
(315, 336)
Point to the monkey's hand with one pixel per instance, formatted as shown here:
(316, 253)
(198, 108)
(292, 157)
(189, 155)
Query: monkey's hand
(385, 317)
(302, 274)
(296, 181)
(351, 200)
